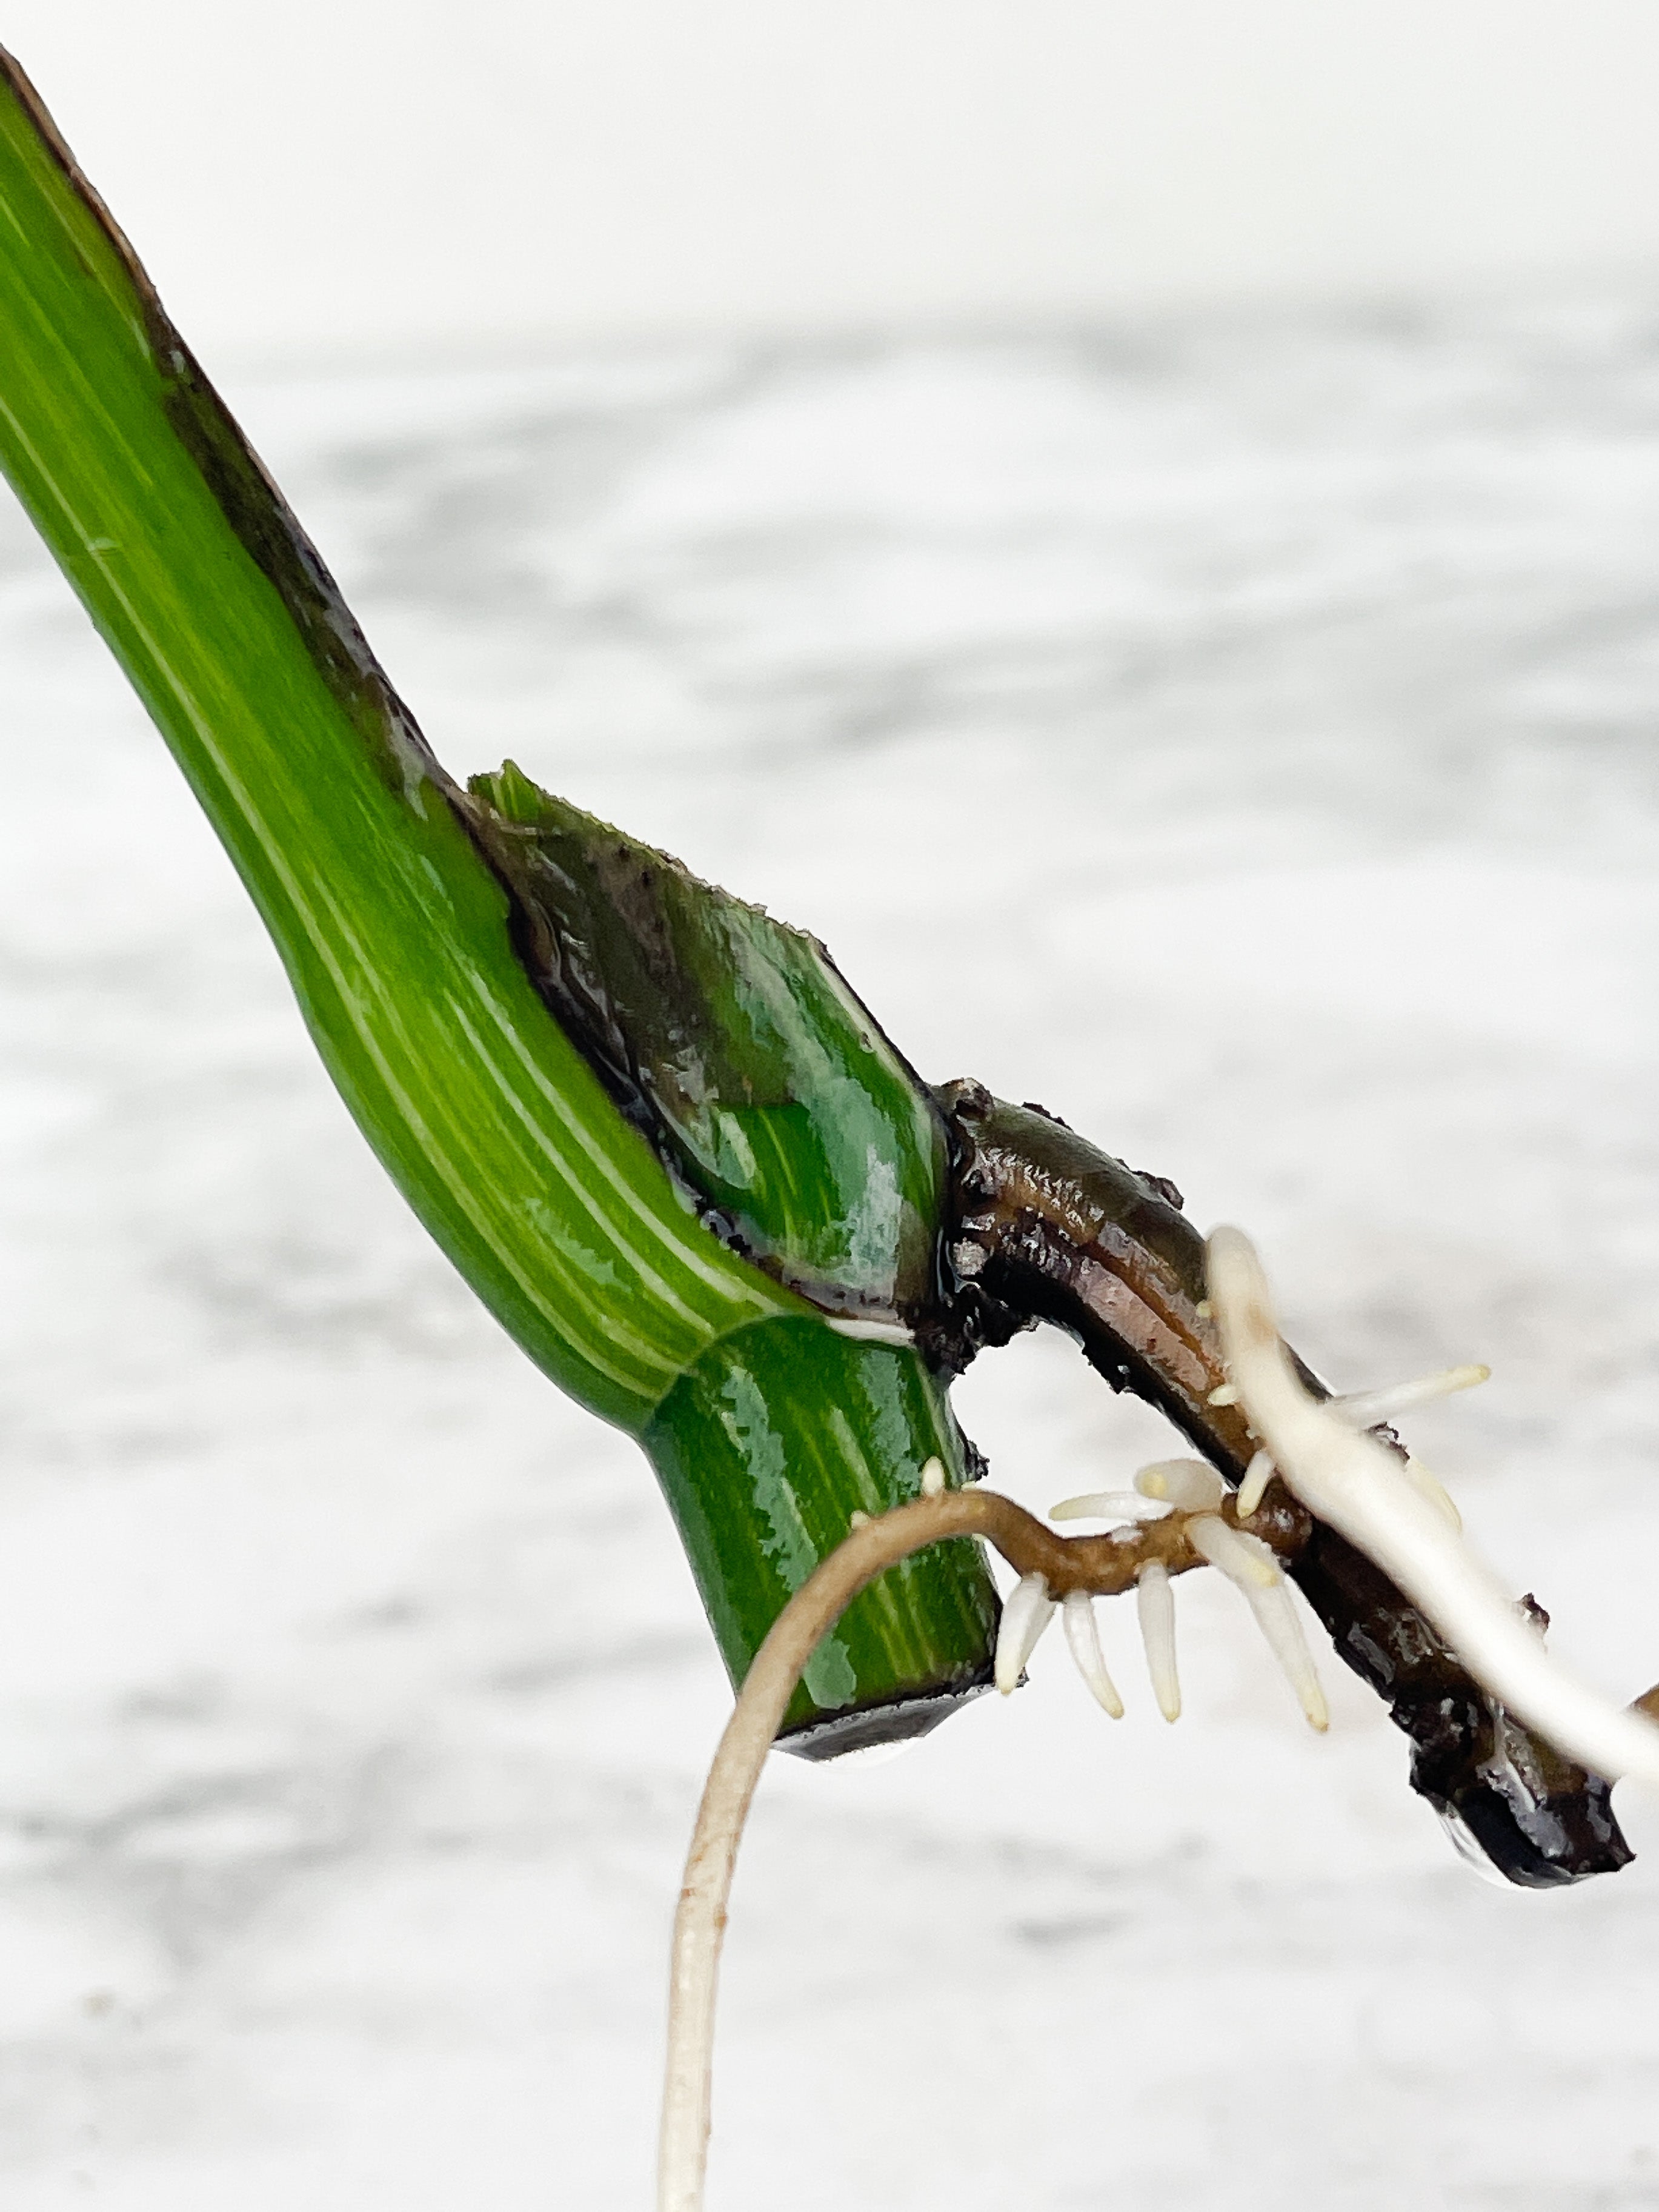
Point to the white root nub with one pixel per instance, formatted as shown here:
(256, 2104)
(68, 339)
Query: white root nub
(1083, 1635)
(1111, 1505)
(1186, 1483)
(1026, 1612)
(1366, 1409)
(932, 1477)
(1243, 1560)
(1224, 1395)
(1257, 1475)
(1155, 1604)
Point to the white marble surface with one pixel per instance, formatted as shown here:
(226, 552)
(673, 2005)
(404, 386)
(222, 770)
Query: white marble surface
(1239, 736)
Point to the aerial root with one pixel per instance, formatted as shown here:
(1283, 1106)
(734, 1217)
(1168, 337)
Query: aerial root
(1257, 1475)
(1055, 1574)
(1155, 1608)
(1239, 1558)
(700, 1921)
(1370, 1409)
(1192, 1486)
(1026, 1612)
(1083, 1636)
(1111, 1505)
(1395, 1513)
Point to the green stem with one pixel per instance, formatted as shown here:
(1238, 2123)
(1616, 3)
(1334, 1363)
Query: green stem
(815, 1433)
(390, 924)
(360, 855)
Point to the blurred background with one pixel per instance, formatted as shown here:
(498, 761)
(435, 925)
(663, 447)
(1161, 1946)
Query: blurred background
(1139, 526)
(361, 174)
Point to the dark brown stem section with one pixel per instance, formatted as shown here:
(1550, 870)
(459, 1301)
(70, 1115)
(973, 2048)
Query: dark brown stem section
(1047, 1228)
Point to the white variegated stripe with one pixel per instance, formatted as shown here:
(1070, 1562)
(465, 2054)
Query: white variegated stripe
(699, 1255)
(326, 927)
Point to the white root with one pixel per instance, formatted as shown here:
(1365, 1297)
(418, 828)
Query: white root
(1257, 1475)
(1111, 1505)
(1191, 1484)
(1356, 1485)
(1155, 1607)
(1369, 1409)
(1243, 1560)
(1083, 1635)
(700, 1921)
(1276, 1617)
(1026, 1612)
(1251, 1566)
(1430, 1486)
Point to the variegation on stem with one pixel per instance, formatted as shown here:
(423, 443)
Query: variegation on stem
(677, 1156)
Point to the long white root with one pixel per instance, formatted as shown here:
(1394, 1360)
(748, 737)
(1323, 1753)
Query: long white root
(1356, 1485)
(700, 1921)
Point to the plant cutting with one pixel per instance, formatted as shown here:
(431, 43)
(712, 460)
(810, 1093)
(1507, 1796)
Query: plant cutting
(670, 1148)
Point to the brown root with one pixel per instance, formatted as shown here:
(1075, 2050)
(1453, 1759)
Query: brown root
(1099, 1566)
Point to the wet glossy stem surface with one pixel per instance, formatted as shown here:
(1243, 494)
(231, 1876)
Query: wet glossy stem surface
(1048, 1224)
(355, 845)
(390, 923)
(765, 1450)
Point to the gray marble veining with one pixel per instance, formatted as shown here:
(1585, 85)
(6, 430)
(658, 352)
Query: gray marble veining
(1239, 735)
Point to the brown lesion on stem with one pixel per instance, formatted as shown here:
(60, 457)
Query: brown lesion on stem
(1046, 1227)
